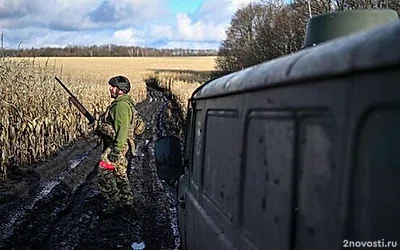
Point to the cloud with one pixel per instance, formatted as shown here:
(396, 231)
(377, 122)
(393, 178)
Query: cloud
(129, 12)
(58, 15)
(42, 23)
(16, 9)
(198, 31)
(79, 14)
(103, 13)
(218, 11)
(41, 37)
(161, 32)
(128, 37)
(210, 20)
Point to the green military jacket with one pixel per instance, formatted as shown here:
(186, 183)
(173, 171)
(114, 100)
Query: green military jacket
(120, 124)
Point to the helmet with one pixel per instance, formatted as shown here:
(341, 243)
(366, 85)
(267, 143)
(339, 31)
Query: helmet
(121, 82)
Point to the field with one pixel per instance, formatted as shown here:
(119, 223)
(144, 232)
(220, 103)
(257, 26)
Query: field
(37, 120)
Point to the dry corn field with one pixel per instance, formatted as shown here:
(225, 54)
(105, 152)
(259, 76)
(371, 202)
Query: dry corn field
(36, 119)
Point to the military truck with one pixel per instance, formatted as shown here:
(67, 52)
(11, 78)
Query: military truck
(299, 152)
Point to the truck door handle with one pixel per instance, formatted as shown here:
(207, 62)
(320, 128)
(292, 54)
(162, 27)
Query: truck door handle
(182, 201)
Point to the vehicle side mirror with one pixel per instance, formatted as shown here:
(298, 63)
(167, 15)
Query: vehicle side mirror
(168, 155)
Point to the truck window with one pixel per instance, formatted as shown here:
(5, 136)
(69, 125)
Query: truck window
(188, 136)
(375, 201)
(317, 180)
(221, 161)
(266, 210)
(197, 147)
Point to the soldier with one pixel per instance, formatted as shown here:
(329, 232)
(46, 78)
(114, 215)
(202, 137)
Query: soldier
(118, 128)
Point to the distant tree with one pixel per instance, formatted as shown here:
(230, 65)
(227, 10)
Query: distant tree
(324, 6)
(260, 32)
(105, 51)
(238, 50)
(375, 4)
(269, 29)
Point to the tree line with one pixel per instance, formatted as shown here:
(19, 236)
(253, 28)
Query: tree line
(109, 50)
(258, 32)
(268, 29)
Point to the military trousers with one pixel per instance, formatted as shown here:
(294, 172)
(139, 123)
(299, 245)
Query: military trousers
(113, 183)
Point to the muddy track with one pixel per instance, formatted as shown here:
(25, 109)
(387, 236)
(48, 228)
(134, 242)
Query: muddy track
(56, 205)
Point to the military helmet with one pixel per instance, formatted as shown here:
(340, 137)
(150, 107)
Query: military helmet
(121, 82)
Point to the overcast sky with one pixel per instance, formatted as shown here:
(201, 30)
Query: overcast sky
(193, 24)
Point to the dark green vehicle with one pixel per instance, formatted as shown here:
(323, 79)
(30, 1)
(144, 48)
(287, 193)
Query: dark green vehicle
(300, 152)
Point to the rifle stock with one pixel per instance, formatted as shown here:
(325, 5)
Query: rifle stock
(77, 104)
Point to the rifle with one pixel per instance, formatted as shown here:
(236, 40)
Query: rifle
(77, 104)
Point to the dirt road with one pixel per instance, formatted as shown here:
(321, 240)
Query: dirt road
(56, 205)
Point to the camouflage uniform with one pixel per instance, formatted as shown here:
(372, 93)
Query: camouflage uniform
(118, 127)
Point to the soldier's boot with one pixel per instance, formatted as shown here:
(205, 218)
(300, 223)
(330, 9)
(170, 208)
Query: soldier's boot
(128, 204)
(126, 195)
(111, 208)
(132, 210)
(112, 204)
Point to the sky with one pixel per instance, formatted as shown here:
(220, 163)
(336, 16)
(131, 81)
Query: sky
(192, 24)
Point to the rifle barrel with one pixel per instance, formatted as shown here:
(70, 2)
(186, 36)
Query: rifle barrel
(66, 89)
(77, 104)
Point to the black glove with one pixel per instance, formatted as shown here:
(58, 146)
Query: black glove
(113, 156)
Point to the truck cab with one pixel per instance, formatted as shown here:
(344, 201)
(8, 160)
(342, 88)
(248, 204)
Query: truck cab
(299, 152)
